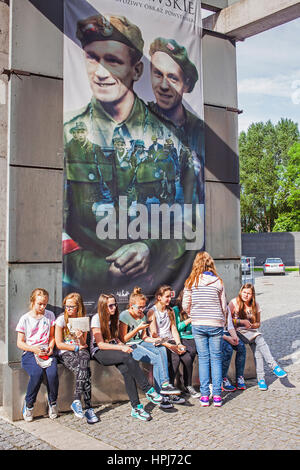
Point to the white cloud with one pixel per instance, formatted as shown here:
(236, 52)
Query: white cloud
(284, 86)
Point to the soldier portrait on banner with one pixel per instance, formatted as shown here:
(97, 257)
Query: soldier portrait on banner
(133, 149)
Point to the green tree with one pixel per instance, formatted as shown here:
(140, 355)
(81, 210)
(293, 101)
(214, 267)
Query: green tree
(289, 197)
(264, 157)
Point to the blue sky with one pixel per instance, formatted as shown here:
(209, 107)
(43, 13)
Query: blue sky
(268, 69)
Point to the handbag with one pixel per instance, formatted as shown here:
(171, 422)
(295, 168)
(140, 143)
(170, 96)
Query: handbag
(247, 336)
(43, 362)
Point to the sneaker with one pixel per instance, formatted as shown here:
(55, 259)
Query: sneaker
(166, 403)
(77, 408)
(140, 413)
(193, 393)
(262, 385)
(169, 389)
(240, 383)
(217, 400)
(279, 372)
(91, 417)
(27, 413)
(53, 413)
(153, 396)
(204, 401)
(176, 400)
(226, 386)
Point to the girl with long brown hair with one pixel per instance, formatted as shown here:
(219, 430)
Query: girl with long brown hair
(163, 326)
(108, 349)
(246, 314)
(205, 302)
(133, 331)
(74, 355)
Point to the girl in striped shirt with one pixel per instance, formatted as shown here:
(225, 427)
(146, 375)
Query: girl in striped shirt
(205, 302)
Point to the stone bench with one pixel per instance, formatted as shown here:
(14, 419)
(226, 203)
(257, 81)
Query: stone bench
(107, 385)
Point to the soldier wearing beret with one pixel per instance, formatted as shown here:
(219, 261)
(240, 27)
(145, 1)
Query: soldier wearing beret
(113, 48)
(173, 75)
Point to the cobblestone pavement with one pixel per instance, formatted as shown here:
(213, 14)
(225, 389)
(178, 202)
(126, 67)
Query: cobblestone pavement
(249, 419)
(13, 438)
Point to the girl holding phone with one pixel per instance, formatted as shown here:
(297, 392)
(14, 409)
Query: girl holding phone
(107, 349)
(133, 331)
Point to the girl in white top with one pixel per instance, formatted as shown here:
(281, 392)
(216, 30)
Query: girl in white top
(36, 339)
(75, 356)
(163, 326)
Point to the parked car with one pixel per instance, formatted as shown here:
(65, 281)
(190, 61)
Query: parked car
(274, 266)
(245, 265)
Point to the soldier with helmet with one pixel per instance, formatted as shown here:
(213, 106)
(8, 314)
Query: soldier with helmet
(124, 167)
(88, 174)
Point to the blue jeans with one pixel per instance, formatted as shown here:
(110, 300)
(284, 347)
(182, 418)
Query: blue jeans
(155, 355)
(36, 374)
(208, 341)
(240, 358)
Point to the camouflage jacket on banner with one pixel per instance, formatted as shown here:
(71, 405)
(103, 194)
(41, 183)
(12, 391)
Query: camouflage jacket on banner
(102, 128)
(91, 179)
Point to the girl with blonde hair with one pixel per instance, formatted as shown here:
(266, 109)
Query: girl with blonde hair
(246, 314)
(108, 350)
(36, 339)
(74, 355)
(133, 331)
(204, 301)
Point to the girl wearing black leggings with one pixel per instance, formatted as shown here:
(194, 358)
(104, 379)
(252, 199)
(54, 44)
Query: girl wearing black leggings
(108, 350)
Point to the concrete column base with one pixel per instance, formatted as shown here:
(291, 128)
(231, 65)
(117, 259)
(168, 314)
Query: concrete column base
(250, 369)
(107, 387)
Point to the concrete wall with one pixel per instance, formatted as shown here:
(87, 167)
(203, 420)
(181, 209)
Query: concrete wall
(4, 61)
(34, 176)
(263, 245)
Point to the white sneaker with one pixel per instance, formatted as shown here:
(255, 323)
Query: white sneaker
(53, 413)
(27, 413)
(193, 393)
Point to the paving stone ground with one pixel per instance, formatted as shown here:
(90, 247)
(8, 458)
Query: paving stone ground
(249, 419)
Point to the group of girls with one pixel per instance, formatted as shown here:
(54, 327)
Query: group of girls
(201, 323)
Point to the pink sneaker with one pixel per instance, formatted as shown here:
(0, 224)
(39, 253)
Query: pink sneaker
(217, 400)
(204, 401)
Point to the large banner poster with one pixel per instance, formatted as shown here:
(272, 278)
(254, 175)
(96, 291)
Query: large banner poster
(134, 145)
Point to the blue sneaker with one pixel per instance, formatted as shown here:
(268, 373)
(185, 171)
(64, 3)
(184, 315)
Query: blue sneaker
(262, 385)
(91, 417)
(77, 408)
(279, 372)
(240, 383)
(140, 413)
(226, 386)
(154, 397)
